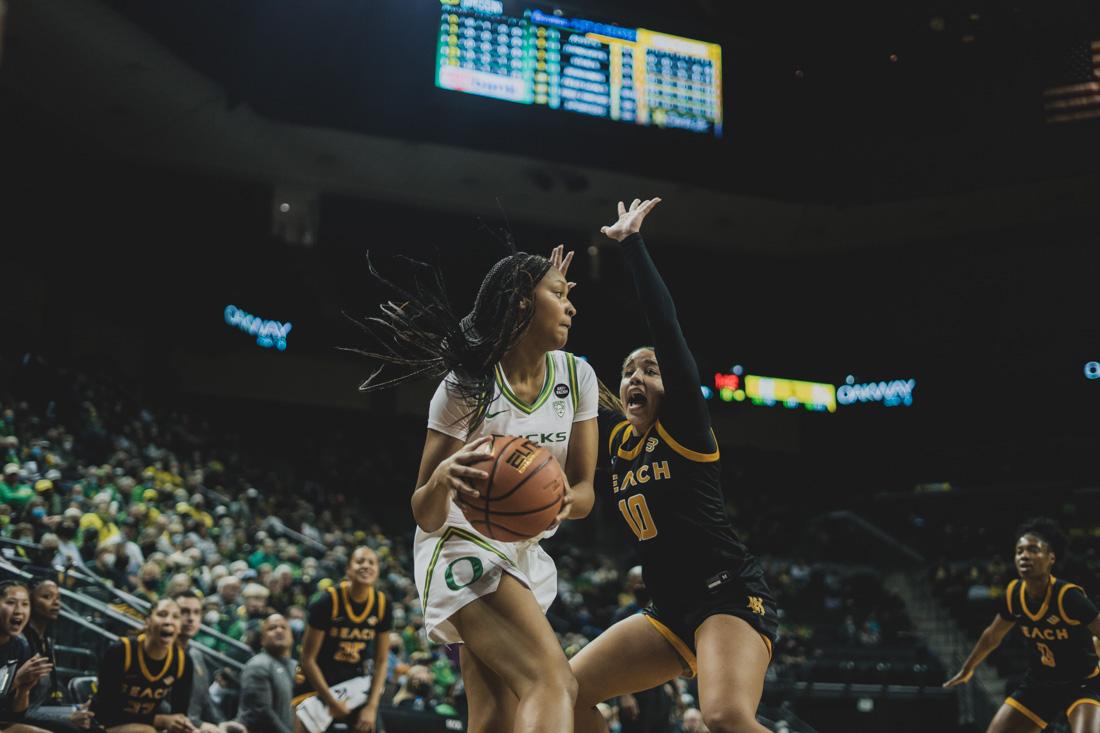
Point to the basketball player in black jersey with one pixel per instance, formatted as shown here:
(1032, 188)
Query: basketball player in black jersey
(711, 613)
(137, 674)
(1062, 675)
(342, 636)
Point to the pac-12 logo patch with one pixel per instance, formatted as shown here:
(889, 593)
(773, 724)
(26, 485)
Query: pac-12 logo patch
(756, 605)
(561, 390)
(559, 407)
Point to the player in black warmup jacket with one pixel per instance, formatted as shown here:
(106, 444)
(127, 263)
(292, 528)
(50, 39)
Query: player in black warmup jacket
(1062, 673)
(712, 614)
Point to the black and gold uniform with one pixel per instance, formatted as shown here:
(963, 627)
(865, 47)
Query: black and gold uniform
(667, 486)
(1062, 671)
(131, 686)
(351, 631)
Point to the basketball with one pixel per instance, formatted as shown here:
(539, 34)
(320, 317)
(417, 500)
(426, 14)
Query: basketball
(522, 495)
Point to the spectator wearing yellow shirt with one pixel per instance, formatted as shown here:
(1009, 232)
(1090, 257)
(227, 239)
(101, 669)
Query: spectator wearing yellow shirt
(101, 520)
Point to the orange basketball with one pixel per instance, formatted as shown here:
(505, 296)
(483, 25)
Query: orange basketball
(523, 494)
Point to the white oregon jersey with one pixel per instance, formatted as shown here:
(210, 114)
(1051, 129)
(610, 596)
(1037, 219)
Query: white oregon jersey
(570, 394)
(456, 564)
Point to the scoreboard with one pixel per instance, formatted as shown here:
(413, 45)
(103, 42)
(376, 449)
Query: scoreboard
(548, 59)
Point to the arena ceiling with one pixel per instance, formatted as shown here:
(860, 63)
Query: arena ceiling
(97, 76)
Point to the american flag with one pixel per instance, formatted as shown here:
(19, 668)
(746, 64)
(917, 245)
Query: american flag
(1072, 83)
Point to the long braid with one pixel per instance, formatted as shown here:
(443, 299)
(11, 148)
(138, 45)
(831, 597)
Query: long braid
(422, 336)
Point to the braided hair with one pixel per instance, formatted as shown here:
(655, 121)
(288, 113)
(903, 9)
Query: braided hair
(421, 336)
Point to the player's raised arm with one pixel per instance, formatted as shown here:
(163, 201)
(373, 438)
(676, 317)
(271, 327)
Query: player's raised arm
(685, 413)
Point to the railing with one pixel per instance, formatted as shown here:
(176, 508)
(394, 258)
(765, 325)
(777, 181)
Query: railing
(105, 611)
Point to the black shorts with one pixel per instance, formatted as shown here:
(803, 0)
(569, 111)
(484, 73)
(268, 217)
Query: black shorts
(1044, 702)
(747, 597)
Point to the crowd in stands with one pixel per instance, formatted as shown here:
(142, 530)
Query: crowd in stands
(159, 504)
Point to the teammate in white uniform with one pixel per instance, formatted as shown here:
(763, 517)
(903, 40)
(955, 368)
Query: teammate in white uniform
(507, 375)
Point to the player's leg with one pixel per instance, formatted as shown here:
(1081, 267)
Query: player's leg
(629, 657)
(1084, 716)
(491, 703)
(732, 660)
(508, 632)
(1011, 719)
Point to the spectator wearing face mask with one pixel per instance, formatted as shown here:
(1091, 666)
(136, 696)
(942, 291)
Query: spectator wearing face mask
(252, 614)
(67, 549)
(418, 692)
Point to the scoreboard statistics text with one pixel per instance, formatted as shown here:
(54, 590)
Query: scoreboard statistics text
(548, 59)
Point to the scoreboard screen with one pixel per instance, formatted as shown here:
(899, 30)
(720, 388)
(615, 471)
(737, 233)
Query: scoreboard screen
(549, 59)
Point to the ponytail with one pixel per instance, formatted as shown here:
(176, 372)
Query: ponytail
(608, 400)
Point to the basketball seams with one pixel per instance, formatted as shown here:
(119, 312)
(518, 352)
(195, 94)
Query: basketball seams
(492, 472)
(524, 480)
(529, 511)
(482, 507)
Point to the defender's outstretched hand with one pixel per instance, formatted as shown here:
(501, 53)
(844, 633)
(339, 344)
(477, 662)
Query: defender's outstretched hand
(630, 220)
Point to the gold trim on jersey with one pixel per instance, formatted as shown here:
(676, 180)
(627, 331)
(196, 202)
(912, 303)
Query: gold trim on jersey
(631, 454)
(688, 453)
(686, 655)
(1025, 711)
(1008, 595)
(1046, 600)
(615, 431)
(1062, 608)
(347, 603)
(167, 662)
(1080, 701)
(1094, 672)
(335, 601)
(127, 657)
(511, 396)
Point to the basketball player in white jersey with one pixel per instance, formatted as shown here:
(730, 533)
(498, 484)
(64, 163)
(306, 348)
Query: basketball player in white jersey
(507, 376)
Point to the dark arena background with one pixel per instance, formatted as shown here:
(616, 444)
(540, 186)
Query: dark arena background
(879, 224)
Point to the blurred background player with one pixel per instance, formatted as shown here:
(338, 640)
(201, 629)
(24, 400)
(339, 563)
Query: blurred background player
(347, 639)
(137, 674)
(1062, 676)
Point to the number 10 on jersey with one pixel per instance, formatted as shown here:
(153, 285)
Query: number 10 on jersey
(636, 513)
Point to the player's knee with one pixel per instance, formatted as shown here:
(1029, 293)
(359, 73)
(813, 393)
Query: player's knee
(730, 719)
(557, 679)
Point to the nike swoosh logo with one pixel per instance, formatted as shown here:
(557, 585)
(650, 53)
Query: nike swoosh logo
(491, 415)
